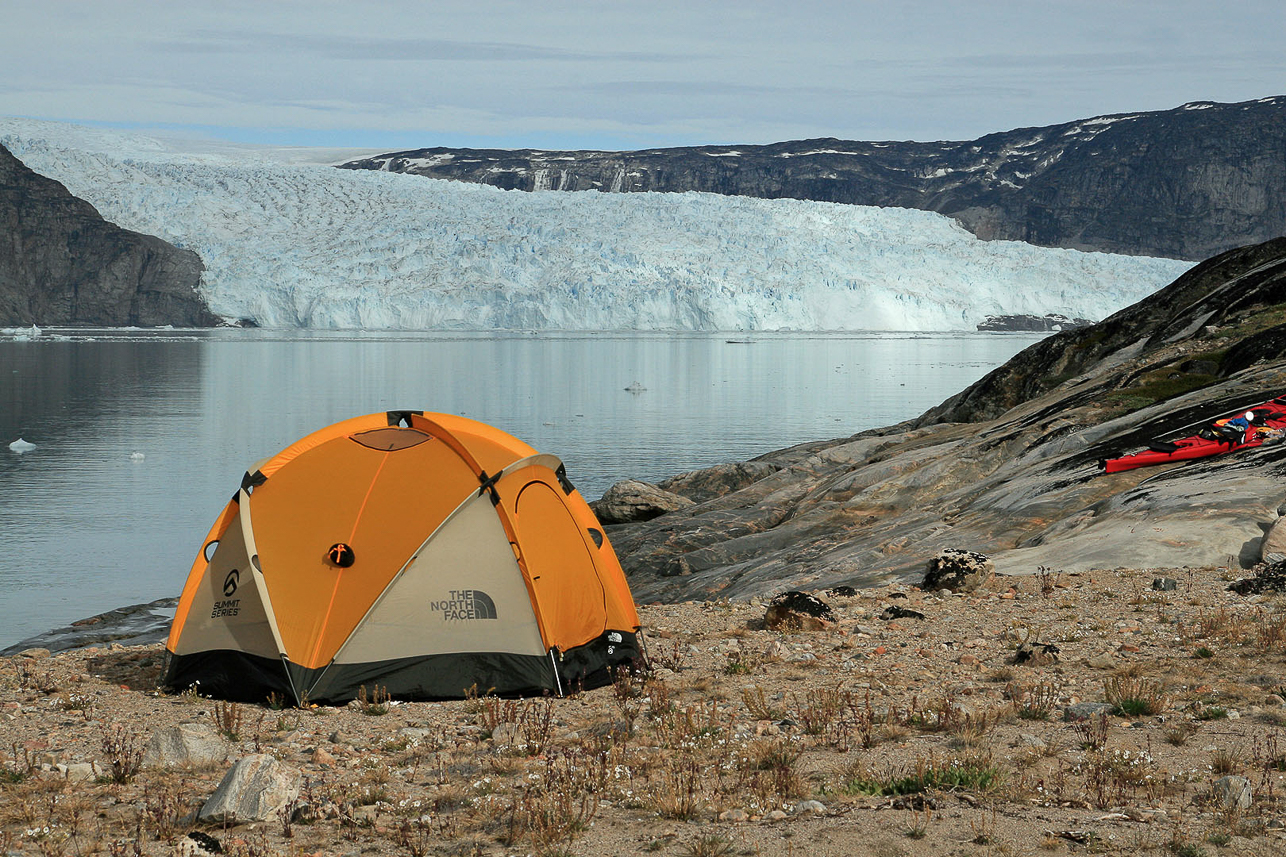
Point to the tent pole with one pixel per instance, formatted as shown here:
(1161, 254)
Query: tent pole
(285, 664)
(557, 681)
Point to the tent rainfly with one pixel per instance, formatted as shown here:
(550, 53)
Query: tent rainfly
(421, 556)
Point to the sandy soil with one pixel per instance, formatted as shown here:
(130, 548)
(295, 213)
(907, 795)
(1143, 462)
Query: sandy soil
(907, 736)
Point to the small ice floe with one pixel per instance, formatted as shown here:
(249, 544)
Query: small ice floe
(20, 446)
(636, 387)
(22, 334)
(136, 456)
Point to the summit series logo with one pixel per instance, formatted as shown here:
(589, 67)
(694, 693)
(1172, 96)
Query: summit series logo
(465, 604)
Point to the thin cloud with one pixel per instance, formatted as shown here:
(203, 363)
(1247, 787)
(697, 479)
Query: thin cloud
(392, 49)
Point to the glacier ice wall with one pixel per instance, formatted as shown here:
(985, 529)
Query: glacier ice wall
(293, 245)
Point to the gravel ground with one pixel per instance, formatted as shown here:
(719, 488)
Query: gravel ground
(901, 736)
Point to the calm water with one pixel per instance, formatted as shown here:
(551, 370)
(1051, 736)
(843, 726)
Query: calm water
(89, 527)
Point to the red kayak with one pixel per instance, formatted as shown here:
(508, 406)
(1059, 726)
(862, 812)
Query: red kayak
(1240, 431)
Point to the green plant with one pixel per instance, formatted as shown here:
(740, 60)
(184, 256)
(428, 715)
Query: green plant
(709, 846)
(1204, 652)
(1035, 701)
(1226, 760)
(1135, 696)
(742, 662)
(1219, 838)
(970, 772)
(1177, 734)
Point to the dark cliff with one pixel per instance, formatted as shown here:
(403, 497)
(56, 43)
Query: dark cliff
(1184, 183)
(62, 263)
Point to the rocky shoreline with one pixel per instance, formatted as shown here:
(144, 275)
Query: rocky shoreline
(135, 625)
(1008, 467)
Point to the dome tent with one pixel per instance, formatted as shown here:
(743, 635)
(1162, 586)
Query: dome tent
(426, 555)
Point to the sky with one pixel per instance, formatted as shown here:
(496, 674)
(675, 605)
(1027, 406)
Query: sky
(600, 74)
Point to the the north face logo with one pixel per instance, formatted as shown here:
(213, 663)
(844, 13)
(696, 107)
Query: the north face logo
(465, 604)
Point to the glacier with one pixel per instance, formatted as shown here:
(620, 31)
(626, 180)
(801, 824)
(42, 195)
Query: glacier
(289, 243)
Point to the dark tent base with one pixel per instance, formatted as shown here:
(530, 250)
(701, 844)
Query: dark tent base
(239, 677)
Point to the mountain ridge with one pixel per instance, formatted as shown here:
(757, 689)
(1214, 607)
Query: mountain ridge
(1218, 170)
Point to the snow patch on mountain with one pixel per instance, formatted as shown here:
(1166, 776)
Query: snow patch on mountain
(290, 244)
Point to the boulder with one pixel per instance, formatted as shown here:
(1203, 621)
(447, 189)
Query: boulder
(1087, 710)
(798, 611)
(899, 612)
(957, 570)
(254, 790)
(188, 745)
(631, 500)
(1267, 578)
(1273, 548)
(1233, 792)
(1036, 654)
(716, 481)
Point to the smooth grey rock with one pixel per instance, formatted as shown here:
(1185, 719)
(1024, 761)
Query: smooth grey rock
(81, 772)
(717, 481)
(1086, 710)
(810, 807)
(1233, 792)
(1273, 548)
(188, 745)
(507, 735)
(414, 733)
(632, 500)
(256, 788)
(1165, 584)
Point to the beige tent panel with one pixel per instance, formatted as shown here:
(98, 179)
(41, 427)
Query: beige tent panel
(229, 610)
(462, 591)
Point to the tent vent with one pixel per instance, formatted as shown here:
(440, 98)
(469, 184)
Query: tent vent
(563, 481)
(402, 418)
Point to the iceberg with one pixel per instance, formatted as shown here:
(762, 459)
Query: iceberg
(20, 446)
(298, 245)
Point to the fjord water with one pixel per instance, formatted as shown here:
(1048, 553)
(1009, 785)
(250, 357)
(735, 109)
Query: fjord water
(141, 437)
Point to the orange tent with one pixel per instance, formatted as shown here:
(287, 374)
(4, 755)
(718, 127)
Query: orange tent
(423, 555)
